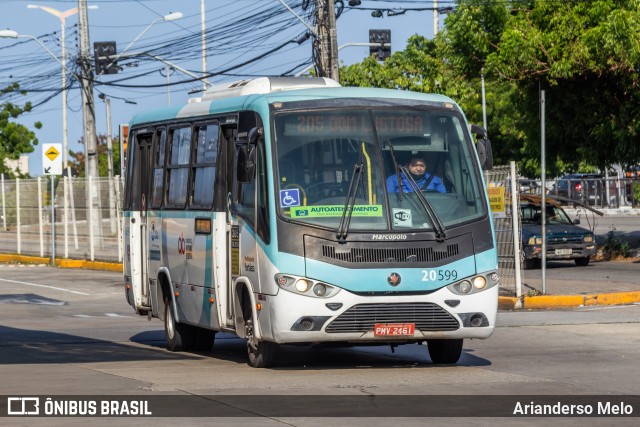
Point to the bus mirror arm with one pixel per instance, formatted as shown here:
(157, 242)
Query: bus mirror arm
(247, 156)
(245, 167)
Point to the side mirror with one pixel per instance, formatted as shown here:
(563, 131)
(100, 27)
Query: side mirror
(576, 221)
(483, 147)
(246, 160)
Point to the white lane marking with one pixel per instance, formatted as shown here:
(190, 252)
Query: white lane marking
(115, 315)
(44, 286)
(81, 315)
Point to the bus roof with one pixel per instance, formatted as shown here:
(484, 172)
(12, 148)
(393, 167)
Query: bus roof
(266, 90)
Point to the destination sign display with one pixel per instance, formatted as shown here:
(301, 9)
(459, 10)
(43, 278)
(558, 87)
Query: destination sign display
(355, 123)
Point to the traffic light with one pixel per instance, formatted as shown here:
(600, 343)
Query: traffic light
(383, 50)
(103, 53)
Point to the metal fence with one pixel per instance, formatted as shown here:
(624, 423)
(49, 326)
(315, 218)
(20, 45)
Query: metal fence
(507, 229)
(597, 192)
(59, 217)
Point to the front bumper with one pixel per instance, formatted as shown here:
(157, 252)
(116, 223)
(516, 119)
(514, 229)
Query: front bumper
(561, 252)
(441, 314)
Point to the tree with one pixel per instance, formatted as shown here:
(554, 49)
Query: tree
(15, 139)
(585, 55)
(77, 159)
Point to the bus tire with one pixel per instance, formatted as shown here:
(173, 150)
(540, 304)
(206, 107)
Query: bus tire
(262, 354)
(445, 352)
(179, 336)
(203, 339)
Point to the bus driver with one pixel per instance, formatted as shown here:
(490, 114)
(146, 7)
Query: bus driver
(417, 167)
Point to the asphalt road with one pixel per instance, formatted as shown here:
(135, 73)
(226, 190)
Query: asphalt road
(71, 332)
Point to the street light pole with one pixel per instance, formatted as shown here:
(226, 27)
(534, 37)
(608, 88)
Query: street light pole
(112, 197)
(204, 45)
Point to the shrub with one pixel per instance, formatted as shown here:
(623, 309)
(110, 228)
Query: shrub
(615, 247)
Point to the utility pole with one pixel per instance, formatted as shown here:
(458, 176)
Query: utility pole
(112, 196)
(94, 216)
(435, 18)
(88, 106)
(327, 39)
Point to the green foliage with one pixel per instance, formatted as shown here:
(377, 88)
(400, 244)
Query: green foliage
(636, 193)
(15, 139)
(77, 159)
(615, 247)
(584, 55)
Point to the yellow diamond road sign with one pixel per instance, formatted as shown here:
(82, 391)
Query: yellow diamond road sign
(52, 153)
(51, 159)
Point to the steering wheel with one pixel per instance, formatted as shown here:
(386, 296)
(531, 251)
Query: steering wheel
(319, 187)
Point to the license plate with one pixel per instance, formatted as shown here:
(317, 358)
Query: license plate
(563, 251)
(393, 329)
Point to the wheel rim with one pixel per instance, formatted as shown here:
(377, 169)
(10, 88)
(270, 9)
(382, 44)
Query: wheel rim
(170, 324)
(252, 343)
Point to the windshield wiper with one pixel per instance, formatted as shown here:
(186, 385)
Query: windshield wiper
(438, 227)
(397, 169)
(350, 201)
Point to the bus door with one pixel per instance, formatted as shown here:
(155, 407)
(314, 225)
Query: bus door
(230, 254)
(140, 173)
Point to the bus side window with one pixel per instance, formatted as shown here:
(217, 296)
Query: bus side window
(158, 168)
(204, 166)
(178, 167)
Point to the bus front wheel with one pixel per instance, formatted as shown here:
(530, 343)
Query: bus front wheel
(446, 352)
(262, 354)
(179, 336)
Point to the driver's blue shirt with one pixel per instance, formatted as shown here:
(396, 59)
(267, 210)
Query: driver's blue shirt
(435, 184)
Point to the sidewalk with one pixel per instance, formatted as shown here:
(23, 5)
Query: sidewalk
(564, 291)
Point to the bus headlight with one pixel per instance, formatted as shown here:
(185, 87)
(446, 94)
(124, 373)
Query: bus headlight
(475, 284)
(319, 290)
(464, 287)
(305, 286)
(302, 286)
(479, 282)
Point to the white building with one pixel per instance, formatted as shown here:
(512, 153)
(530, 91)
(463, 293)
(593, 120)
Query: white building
(18, 166)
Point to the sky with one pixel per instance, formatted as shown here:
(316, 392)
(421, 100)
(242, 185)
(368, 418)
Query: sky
(238, 31)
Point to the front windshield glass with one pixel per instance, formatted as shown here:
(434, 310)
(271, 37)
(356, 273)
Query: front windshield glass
(317, 151)
(532, 214)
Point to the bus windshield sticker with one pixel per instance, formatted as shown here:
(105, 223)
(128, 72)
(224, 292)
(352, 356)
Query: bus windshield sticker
(289, 198)
(335, 211)
(402, 217)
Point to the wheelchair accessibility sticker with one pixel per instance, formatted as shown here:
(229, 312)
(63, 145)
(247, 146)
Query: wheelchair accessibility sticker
(289, 198)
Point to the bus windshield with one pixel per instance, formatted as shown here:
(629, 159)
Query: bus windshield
(320, 154)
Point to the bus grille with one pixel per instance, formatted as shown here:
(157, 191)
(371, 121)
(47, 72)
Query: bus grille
(395, 255)
(363, 317)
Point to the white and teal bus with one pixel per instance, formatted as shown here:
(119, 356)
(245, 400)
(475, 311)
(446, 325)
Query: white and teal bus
(282, 210)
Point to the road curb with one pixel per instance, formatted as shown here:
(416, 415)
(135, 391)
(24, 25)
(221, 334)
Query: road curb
(565, 301)
(62, 262)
